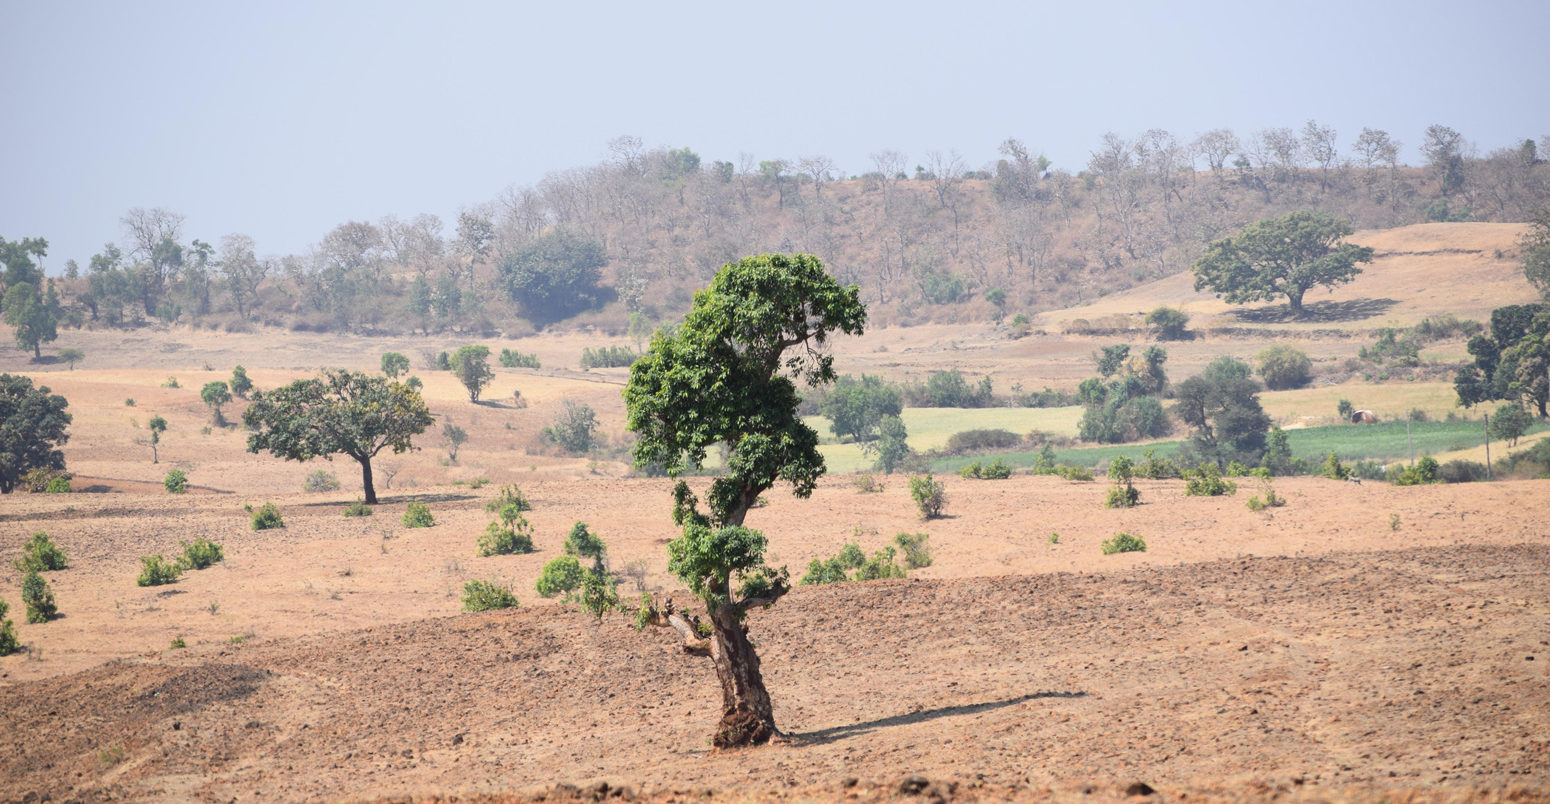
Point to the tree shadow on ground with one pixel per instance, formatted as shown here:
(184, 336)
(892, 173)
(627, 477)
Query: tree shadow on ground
(826, 736)
(1318, 312)
(383, 499)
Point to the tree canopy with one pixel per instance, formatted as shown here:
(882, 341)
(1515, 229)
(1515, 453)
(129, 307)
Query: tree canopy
(855, 406)
(471, 364)
(340, 411)
(1536, 251)
(727, 376)
(1221, 407)
(1283, 256)
(554, 276)
(33, 425)
(1512, 362)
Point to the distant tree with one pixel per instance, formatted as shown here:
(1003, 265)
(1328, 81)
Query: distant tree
(1278, 453)
(241, 386)
(244, 272)
(1221, 408)
(574, 428)
(471, 364)
(891, 446)
(1282, 256)
(1169, 323)
(1217, 146)
(35, 316)
(1318, 143)
(454, 436)
(1536, 251)
(554, 276)
(1512, 362)
(215, 394)
(724, 378)
(1111, 359)
(1510, 422)
(338, 412)
(157, 426)
(33, 425)
(71, 356)
(1284, 366)
(855, 406)
(153, 237)
(1444, 151)
(394, 364)
(20, 259)
(997, 297)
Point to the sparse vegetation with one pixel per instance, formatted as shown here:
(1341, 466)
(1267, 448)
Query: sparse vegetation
(200, 554)
(418, 515)
(509, 497)
(930, 496)
(916, 548)
(867, 483)
(1123, 543)
(608, 357)
(357, 508)
(38, 598)
(41, 555)
(997, 470)
(511, 359)
(156, 572)
(321, 480)
(1123, 493)
(574, 428)
(267, 517)
(8, 641)
(176, 482)
(487, 595)
(1266, 488)
(1206, 480)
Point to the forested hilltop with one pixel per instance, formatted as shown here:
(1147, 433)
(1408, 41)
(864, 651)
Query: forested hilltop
(624, 242)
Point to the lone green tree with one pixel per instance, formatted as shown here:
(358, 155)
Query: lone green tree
(471, 364)
(1221, 407)
(1536, 251)
(157, 425)
(1283, 256)
(394, 364)
(554, 276)
(340, 411)
(725, 377)
(855, 407)
(35, 316)
(33, 425)
(215, 394)
(241, 385)
(71, 355)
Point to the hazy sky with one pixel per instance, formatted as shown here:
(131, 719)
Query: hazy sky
(281, 120)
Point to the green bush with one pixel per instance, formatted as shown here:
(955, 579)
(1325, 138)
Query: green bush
(1333, 469)
(1283, 367)
(8, 641)
(155, 572)
(929, 495)
(39, 480)
(267, 517)
(487, 595)
(1152, 467)
(507, 537)
(995, 471)
(1168, 323)
(916, 548)
(321, 480)
(824, 570)
(850, 556)
(561, 576)
(176, 482)
(599, 592)
(511, 359)
(1270, 500)
(38, 598)
(982, 440)
(357, 508)
(177, 642)
(41, 555)
(1424, 472)
(1123, 493)
(202, 553)
(1074, 473)
(880, 566)
(418, 515)
(1206, 481)
(1123, 543)
(582, 542)
(58, 485)
(509, 497)
(608, 357)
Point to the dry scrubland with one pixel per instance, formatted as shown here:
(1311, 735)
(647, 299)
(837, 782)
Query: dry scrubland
(1361, 641)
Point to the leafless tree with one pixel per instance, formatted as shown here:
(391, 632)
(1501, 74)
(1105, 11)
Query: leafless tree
(1318, 142)
(1282, 152)
(244, 272)
(1217, 146)
(1378, 155)
(890, 166)
(817, 168)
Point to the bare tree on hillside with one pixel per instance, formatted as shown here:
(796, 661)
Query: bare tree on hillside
(1318, 142)
(1282, 152)
(1444, 151)
(890, 166)
(1217, 146)
(244, 272)
(1378, 154)
(817, 168)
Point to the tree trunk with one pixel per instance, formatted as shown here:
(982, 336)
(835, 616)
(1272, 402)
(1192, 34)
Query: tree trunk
(371, 493)
(747, 717)
(1294, 300)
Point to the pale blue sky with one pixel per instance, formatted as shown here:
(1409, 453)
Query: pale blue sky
(281, 120)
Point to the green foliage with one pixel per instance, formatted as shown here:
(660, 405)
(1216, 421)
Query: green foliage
(1074, 473)
(997, 470)
(1123, 408)
(1395, 348)
(176, 482)
(1153, 467)
(471, 365)
(8, 642)
(33, 425)
(1266, 488)
(443, 362)
(1221, 408)
(1284, 366)
(267, 517)
(929, 495)
(582, 542)
(1510, 422)
(1168, 323)
(982, 440)
(949, 389)
(1283, 256)
(891, 447)
(1206, 480)
(454, 436)
(821, 571)
(607, 357)
(511, 359)
(1345, 409)
(201, 554)
(509, 533)
(1425, 471)
(1123, 543)
(177, 642)
(856, 406)
(1536, 251)
(867, 483)
(34, 315)
(574, 428)
(880, 566)
(509, 497)
(156, 572)
(394, 364)
(599, 592)
(554, 276)
(1054, 538)
(71, 356)
(338, 412)
(418, 515)
(321, 480)
(172, 382)
(58, 485)
(1278, 452)
(1333, 469)
(241, 384)
(1045, 463)
(487, 595)
(916, 548)
(41, 555)
(561, 576)
(38, 598)
(1123, 494)
(357, 508)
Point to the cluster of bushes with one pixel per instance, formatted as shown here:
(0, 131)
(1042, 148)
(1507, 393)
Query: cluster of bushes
(608, 357)
(156, 571)
(509, 532)
(997, 470)
(487, 595)
(851, 564)
(513, 359)
(1206, 480)
(38, 556)
(949, 389)
(1123, 543)
(46, 481)
(930, 495)
(856, 407)
(594, 588)
(1120, 404)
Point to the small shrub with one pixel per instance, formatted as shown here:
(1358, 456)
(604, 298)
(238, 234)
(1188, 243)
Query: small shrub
(507, 537)
(41, 555)
(1271, 499)
(236, 639)
(582, 542)
(574, 428)
(1152, 467)
(511, 359)
(1123, 493)
(58, 485)
(1461, 471)
(561, 576)
(156, 572)
(995, 471)
(38, 481)
(202, 553)
(880, 566)
(38, 598)
(1168, 323)
(1333, 469)
(824, 570)
(321, 480)
(1393, 521)
(177, 642)
(176, 482)
(8, 641)
(418, 515)
(1074, 473)
(487, 595)
(267, 517)
(850, 556)
(1344, 409)
(1054, 537)
(172, 382)
(982, 440)
(599, 592)
(916, 549)
(130, 402)
(1283, 367)
(509, 497)
(1424, 472)
(608, 357)
(357, 508)
(1206, 481)
(1123, 543)
(929, 496)
(867, 483)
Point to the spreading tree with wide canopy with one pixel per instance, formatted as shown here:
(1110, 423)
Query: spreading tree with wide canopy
(33, 425)
(727, 376)
(340, 411)
(1283, 256)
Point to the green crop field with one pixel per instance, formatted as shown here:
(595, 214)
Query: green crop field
(930, 428)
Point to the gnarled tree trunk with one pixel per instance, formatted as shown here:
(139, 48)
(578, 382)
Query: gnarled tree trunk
(747, 717)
